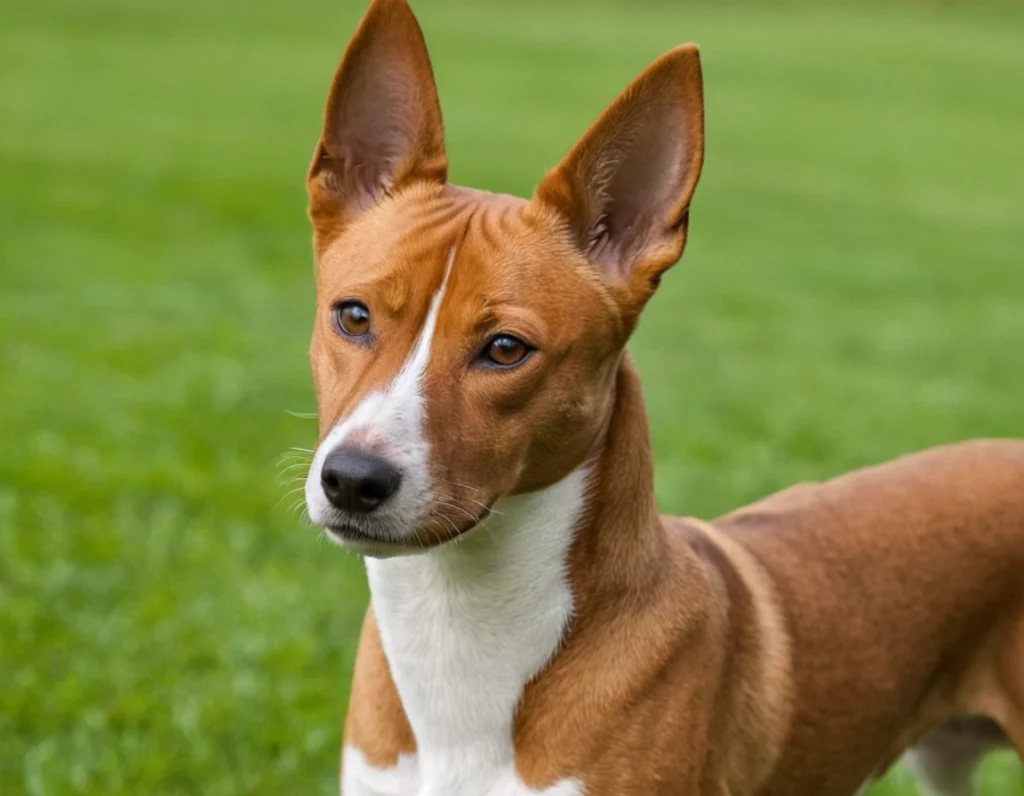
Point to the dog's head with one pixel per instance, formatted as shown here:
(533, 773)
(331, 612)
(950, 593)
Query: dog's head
(465, 344)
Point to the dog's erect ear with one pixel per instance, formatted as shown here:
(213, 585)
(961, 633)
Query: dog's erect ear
(625, 188)
(382, 124)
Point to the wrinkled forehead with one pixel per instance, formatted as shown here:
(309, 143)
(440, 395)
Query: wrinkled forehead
(487, 250)
(399, 247)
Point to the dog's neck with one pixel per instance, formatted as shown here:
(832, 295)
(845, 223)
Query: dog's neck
(466, 626)
(621, 545)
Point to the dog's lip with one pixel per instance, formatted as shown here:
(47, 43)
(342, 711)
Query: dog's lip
(347, 533)
(359, 541)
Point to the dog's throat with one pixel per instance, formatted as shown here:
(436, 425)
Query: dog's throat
(466, 626)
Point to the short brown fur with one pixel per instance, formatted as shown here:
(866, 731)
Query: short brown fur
(792, 648)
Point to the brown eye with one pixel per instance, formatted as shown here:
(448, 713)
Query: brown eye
(352, 318)
(506, 351)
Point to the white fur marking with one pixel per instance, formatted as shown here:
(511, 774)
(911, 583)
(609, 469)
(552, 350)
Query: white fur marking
(465, 627)
(359, 778)
(394, 415)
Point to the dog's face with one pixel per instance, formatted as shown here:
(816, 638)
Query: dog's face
(465, 344)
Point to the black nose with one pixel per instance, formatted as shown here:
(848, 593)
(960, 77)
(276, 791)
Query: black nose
(358, 482)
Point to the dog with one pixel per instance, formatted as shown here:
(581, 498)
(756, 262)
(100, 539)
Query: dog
(535, 626)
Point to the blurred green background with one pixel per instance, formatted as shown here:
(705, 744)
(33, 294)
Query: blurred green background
(852, 290)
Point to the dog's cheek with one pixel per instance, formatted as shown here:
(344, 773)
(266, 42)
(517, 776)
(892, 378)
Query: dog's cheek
(474, 450)
(575, 412)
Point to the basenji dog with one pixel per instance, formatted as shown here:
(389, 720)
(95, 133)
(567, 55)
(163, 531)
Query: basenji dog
(535, 626)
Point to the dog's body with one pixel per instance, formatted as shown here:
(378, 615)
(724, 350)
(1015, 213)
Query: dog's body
(536, 627)
(794, 647)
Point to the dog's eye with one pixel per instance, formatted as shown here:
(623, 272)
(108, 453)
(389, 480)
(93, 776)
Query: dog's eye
(352, 318)
(506, 351)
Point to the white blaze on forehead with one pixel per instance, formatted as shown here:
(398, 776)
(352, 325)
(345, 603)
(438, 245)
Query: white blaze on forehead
(405, 395)
(394, 416)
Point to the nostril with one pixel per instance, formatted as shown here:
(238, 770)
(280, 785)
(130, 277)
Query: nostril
(380, 487)
(329, 479)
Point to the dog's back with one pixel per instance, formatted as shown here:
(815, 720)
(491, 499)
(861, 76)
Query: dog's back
(939, 533)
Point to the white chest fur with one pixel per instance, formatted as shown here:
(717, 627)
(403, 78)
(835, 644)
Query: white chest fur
(465, 627)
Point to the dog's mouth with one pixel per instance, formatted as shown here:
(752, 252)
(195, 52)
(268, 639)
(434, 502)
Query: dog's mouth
(437, 533)
(349, 533)
(362, 543)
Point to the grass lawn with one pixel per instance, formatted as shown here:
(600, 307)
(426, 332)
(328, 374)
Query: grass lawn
(853, 289)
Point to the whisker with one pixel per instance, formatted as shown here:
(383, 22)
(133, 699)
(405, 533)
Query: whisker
(293, 466)
(297, 470)
(290, 459)
(477, 520)
(450, 483)
(458, 484)
(483, 524)
(287, 495)
(488, 509)
(294, 458)
(452, 525)
(450, 505)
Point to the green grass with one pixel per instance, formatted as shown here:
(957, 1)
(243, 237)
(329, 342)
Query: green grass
(853, 290)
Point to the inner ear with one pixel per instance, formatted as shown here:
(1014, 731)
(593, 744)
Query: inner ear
(382, 121)
(625, 187)
(635, 177)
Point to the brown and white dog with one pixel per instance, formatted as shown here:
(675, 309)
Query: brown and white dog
(536, 627)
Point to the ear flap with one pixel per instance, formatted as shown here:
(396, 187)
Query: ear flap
(382, 122)
(625, 188)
